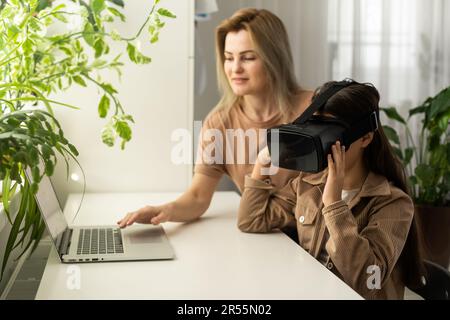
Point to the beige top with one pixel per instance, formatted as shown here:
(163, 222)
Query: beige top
(368, 232)
(229, 144)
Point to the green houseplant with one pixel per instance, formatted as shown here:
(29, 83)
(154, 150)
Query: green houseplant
(34, 63)
(427, 163)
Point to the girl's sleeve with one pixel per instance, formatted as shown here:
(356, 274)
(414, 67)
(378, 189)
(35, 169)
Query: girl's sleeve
(263, 208)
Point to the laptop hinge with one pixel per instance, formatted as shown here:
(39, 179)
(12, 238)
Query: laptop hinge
(65, 242)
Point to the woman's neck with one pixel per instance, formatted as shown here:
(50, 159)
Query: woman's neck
(259, 108)
(355, 176)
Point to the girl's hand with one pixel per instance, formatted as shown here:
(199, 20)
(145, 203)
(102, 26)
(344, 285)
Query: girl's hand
(336, 173)
(263, 168)
(264, 157)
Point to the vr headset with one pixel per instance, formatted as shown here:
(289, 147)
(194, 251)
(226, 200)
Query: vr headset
(304, 144)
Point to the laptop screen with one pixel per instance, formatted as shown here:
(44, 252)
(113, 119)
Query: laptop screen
(50, 208)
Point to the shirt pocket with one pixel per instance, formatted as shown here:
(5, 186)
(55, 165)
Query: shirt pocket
(306, 222)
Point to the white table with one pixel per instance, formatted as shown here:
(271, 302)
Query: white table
(214, 260)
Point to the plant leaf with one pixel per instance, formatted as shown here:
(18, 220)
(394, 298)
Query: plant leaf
(408, 156)
(80, 81)
(73, 150)
(425, 174)
(391, 134)
(14, 232)
(154, 38)
(40, 231)
(392, 113)
(131, 50)
(98, 6)
(100, 47)
(117, 13)
(118, 2)
(30, 218)
(108, 136)
(49, 168)
(413, 180)
(166, 13)
(123, 129)
(440, 103)
(109, 88)
(398, 153)
(103, 106)
(6, 187)
(88, 34)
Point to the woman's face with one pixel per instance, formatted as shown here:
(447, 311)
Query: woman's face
(244, 68)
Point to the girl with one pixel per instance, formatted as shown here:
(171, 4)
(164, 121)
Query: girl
(355, 216)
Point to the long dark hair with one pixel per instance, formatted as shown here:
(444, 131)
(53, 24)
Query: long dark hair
(351, 104)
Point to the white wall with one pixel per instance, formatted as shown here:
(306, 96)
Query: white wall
(159, 96)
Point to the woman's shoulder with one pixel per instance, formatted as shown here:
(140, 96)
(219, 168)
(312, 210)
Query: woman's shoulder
(220, 118)
(305, 95)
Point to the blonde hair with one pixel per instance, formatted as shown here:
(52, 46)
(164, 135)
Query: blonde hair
(271, 42)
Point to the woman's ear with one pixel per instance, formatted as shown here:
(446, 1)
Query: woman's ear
(366, 139)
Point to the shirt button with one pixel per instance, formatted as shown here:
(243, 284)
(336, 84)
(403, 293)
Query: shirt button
(330, 265)
(301, 219)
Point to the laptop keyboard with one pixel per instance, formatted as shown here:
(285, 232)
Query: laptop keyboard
(100, 241)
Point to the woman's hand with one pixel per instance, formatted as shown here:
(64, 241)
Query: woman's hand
(148, 215)
(336, 173)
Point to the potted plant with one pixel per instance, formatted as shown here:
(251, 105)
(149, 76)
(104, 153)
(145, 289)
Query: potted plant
(36, 62)
(427, 163)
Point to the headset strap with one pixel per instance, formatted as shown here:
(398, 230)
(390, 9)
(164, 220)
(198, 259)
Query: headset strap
(361, 127)
(321, 99)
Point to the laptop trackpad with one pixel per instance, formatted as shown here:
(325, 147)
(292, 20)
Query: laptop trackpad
(142, 235)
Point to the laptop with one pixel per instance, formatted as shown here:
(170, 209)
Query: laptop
(99, 243)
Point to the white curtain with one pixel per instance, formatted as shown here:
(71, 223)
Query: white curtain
(401, 46)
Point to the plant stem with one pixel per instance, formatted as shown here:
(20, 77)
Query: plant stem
(52, 76)
(10, 104)
(12, 51)
(117, 105)
(20, 86)
(143, 25)
(409, 143)
(8, 61)
(55, 12)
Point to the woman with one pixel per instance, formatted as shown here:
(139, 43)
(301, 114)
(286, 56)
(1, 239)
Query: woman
(355, 216)
(256, 75)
